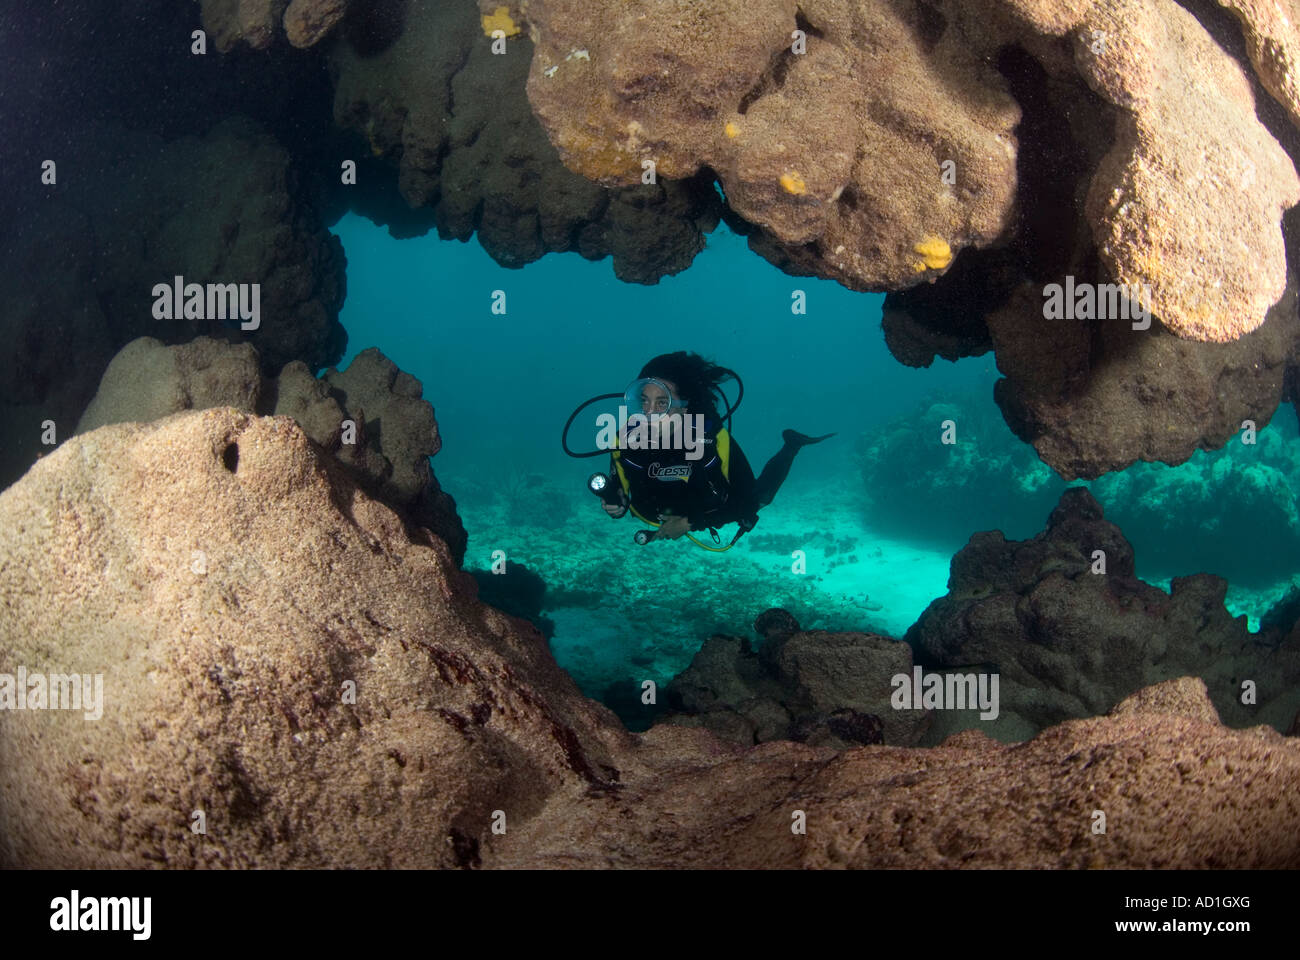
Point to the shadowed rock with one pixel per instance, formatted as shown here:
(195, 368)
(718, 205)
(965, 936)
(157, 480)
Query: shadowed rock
(454, 121)
(829, 689)
(1068, 642)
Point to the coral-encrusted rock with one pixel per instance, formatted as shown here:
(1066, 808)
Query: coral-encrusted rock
(837, 152)
(259, 22)
(1171, 786)
(1188, 141)
(1189, 197)
(372, 383)
(395, 429)
(1184, 697)
(306, 21)
(1151, 207)
(827, 689)
(1273, 42)
(827, 672)
(403, 436)
(229, 582)
(224, 208)
(454, 119)
(1095, 399)
(1069, 642)
(147, 381)
(252, 21)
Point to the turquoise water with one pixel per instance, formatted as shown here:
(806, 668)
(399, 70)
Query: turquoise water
(503, 385)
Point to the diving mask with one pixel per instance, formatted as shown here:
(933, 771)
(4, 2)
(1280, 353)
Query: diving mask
(650, 395)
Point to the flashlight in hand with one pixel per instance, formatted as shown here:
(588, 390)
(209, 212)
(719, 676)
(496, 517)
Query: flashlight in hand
(612, 494)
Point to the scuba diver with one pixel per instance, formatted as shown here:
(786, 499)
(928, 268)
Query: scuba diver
(700, 482)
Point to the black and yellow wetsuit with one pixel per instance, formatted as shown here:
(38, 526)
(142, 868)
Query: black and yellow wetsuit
(715, 489)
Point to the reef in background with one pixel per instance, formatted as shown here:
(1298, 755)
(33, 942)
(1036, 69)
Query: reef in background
(1067, 639)
(1243, 498)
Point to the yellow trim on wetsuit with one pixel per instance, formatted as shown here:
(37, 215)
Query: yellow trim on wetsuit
(722, 442)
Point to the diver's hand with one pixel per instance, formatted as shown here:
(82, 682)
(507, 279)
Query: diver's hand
(672, 528)
(613, 509)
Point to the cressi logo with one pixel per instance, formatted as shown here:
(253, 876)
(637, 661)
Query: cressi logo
(669, 473)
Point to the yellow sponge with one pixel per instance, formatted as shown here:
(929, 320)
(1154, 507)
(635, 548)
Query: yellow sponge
(793, 183)
(499, 19)
(935, 254)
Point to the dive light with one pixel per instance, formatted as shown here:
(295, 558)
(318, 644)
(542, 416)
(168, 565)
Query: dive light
(598, 483)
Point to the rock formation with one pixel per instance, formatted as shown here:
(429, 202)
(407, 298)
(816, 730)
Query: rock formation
(296, 671)
(286, 667)
(815, 687)
(1244, 496)
(963, 156)
(394, 432)
(135, 212)
(1122, 142)
(1069, 641)
(1064, 640)
(452, 117)
(259, 22)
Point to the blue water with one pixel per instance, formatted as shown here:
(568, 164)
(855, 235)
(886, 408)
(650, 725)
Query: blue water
(503, 385)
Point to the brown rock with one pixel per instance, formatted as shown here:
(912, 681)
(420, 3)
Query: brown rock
(306, 21)
(228, 581)
(1068, 642)
(1169, 786)
(836, 152)
(1189, 199)
(374, 384)
(225, 648)
(428, 94)
(305, 398)
(832, 671)
(259, 22)
(1273, 42)
(830, 689)
(253, 21)
(1095, 398)
(147, 381)
(1184, 697)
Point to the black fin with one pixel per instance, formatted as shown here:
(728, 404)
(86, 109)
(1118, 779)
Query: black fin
(800, 439)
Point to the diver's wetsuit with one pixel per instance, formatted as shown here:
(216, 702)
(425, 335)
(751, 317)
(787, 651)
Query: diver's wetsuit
(706, 498)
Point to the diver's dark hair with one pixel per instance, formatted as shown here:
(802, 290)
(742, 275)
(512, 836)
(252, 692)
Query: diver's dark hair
(695, 378)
